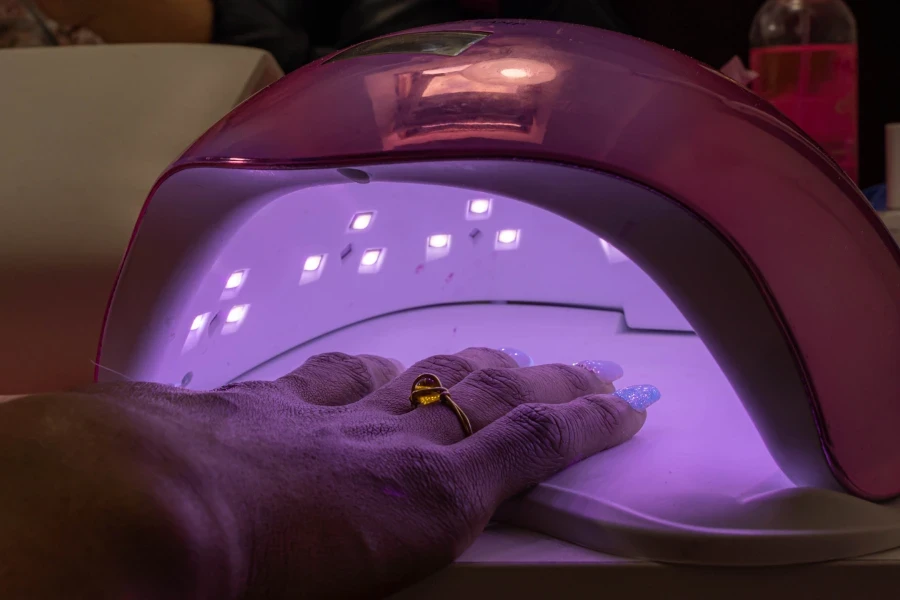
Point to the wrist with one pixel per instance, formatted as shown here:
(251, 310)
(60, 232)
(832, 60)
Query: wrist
(102, 495)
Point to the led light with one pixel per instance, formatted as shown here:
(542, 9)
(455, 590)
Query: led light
(237, 314)
(312, 268)
(438, 246)
(361, 221)
(479, 207)
(507, 239)
(370, 258)
(440, 240)
(235, 280)
(196, 332)
(507, 236)
(514, 73)
(313, 262)
(199, 321)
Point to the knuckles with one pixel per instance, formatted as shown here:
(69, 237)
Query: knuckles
(343, 363)
(453, 365)
(340, 366)
(580, 380)
(544, 429)
(501, 384)
(609, 419)
(369, 430)
(490, 357)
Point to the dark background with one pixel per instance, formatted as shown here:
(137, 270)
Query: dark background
(715, 30)
(712, 31)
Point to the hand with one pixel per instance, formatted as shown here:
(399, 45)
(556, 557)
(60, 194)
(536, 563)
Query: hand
(328, 483)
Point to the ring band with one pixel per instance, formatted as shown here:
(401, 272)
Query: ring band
(427, 389)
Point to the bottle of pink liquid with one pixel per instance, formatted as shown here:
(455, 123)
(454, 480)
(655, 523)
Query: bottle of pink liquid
(806, 57)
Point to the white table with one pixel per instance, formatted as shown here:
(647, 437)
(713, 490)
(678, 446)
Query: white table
(511, 563)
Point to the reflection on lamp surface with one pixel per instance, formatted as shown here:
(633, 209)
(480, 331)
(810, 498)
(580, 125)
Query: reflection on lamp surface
(502, 99)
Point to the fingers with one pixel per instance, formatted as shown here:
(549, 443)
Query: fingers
(489, 394)
(449, 368)
(336, 379)
(534, 441)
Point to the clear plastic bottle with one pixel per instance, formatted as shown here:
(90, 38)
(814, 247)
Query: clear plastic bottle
(806, 56)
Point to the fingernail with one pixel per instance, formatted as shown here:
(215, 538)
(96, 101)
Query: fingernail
(522, 359)
(639, 396)
(605, 370)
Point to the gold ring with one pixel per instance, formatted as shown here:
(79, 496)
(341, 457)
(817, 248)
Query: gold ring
(427, 389)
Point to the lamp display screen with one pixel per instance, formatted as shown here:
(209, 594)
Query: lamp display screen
(443, 43)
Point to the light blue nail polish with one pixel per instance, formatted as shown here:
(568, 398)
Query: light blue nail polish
(639, 396)
(522, 359)
(605, 370)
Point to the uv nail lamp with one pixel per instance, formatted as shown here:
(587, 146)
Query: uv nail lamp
(576, 194)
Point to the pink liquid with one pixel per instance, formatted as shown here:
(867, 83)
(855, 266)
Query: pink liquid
(816, 87)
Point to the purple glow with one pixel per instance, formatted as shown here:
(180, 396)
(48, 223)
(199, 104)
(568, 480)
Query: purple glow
(199, 321)
(479, 209)
(235, 280)
(362, 221)
(370, 258)
(352, 113)
(507, 239)
(237, 314)
(507, 236)
(312, 268)
(439, 241)
(233, 320)
(438, 246)
(593, 158)
(313, 262)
